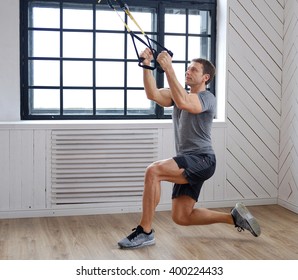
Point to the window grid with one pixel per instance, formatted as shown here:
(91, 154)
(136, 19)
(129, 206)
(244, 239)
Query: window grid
(28, 60)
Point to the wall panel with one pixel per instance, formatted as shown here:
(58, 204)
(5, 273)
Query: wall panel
(4, 169)
(288, 158)
(78, 169)
(255, 55)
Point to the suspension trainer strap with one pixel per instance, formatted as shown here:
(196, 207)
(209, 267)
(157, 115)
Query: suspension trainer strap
(148, 44)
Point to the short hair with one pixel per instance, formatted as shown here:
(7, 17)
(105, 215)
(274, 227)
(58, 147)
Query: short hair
(208, 68)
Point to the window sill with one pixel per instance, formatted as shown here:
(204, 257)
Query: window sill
(93, 124)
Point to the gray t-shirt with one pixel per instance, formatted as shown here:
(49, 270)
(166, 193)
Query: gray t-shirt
(193, 131)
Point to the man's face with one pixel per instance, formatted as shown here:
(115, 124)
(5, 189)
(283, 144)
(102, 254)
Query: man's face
(194, 74)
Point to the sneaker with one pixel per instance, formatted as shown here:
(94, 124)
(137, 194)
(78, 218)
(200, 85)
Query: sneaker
(137, 239)
(243, 219)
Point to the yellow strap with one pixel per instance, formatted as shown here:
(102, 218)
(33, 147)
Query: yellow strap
(126, 26)
(135, 22)
(132, 18)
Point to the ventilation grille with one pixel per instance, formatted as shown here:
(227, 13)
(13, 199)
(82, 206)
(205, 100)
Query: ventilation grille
(101, 167)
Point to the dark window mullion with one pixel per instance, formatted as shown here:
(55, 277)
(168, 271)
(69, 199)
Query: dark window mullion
(213, 45)
(24, 37)
(159, 111)
(125, 69)
(61, 58)
(187, 41)
(94, 60)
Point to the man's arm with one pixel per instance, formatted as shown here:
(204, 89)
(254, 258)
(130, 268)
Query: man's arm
(160, 96)
(183, 100)
(189, 102)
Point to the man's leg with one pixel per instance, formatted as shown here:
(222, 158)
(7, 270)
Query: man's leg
(165, 170)
(184, 213)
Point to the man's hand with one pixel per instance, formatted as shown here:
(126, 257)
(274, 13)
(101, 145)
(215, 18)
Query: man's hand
(147, 56)
(164, 60)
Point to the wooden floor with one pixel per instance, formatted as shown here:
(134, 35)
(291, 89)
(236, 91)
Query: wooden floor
(95, 238)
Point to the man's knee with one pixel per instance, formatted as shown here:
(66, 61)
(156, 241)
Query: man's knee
(182, 208)
(181, 217)
(152, 170)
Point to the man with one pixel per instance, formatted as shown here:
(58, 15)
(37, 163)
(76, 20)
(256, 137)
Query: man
(195, 162)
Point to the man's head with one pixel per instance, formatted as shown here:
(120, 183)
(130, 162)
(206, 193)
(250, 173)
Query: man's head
(207, 67)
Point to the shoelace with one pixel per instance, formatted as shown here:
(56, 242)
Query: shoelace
(134, 234)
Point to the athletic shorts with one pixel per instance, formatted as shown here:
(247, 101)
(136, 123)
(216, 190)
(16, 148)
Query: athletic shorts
(197, 169)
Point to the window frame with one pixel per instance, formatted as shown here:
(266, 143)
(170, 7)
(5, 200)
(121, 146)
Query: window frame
(160, 6)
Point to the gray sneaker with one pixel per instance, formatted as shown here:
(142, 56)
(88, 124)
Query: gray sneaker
(137, 239)
(243, 219)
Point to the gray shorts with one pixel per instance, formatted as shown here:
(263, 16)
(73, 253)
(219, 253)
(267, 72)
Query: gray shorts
(197, 169)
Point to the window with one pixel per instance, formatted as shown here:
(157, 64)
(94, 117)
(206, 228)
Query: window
(78, 60)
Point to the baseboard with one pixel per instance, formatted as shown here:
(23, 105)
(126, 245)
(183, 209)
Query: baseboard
(287, 205)
(67, 212)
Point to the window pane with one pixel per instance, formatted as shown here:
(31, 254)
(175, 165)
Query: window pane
(175, 21)
(44, 44)
(80, 101)
(46, 100)
(110, 101)
(168, 111)
(178, 45)
(180, 73)
(77, 16)
(199, 47)
(45, 73)
(78, 44)
(109, 45)
(108, 20)
(138, 103)
(134, 75)
(131, 52)
(109, 74)
(199, 22)
(144, 18)
(44, 16)
(77, 73)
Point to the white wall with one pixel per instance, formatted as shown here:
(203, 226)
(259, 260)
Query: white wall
(255, 53)
(288, 163)
(9, 61)
(262, 100)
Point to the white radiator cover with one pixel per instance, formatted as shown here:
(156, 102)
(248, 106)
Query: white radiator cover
(100, 167)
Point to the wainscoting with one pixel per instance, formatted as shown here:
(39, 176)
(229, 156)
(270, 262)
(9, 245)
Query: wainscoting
(86, 168)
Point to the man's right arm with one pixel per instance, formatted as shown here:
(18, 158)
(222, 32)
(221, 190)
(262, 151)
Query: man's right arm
(161, 96)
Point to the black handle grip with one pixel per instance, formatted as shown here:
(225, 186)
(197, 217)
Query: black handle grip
(158, 67)
(141, 59)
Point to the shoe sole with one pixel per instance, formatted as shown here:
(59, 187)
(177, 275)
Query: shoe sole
(251, 220)
(146, 243)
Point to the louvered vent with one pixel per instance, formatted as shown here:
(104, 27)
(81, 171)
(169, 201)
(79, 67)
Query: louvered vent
(100, 167)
